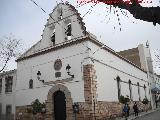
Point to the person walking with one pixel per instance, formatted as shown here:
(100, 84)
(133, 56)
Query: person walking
(125, 110)
(135, 108)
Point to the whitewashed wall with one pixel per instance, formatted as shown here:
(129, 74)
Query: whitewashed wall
(125, 89)
(27, 69)
(147, 65)
(135, 93)
(108, 67)
(73, 55)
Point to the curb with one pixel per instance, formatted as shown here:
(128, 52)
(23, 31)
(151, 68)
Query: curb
(140, 115)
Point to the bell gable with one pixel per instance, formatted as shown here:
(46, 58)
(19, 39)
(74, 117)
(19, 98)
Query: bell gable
(64, 24)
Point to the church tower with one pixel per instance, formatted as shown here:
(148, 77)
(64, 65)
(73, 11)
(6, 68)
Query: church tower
(64, 24)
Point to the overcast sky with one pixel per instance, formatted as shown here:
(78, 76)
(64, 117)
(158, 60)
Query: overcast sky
(26, 21)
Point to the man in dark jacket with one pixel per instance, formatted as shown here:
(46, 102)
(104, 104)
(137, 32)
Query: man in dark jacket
(135, 108)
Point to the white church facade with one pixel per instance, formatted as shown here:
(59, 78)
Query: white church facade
(69, 66)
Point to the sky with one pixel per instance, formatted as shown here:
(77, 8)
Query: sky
(26, 21)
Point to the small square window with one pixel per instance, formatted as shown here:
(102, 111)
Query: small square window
(58, 74)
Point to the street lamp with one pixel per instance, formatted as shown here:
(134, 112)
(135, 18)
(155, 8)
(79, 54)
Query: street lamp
(39, 76)
(68, 67)
(43, 110)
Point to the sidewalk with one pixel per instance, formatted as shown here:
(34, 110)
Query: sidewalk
(132, 117)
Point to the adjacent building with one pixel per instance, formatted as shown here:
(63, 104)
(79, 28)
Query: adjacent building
(7, 94)
(156, 90)
(141, 56)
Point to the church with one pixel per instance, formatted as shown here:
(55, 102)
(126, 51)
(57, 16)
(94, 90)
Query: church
(70, 68)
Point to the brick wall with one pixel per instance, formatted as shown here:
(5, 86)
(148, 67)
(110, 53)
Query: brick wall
(90, 88)
(132, 55)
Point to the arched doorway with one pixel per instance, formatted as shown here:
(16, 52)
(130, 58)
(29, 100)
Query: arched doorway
(59, 105)
(50, 115)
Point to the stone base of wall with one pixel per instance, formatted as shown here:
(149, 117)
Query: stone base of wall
(104, 111)
(24, 113)
(107, 110)
(7, 117)
(141, 106)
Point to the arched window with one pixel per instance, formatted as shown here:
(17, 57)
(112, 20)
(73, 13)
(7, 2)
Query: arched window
(60, 13)
(30, 84)
(118, 86)
(0, 85)
(0, 109)
(53, 37)
(130, 89)
(68, 31)
(145, 90)
(139, 91)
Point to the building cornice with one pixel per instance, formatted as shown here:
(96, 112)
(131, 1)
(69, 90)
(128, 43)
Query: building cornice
(8, 72)
(77, 41)
(114, 53)
(55, 47)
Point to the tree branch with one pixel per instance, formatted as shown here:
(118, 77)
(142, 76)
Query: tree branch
(149, 14)
(9, 46)
(5, 64)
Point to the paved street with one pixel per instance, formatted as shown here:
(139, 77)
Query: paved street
(151, 116)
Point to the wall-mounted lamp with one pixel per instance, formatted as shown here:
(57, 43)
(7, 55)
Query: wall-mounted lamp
(68, 67)
(43, 110)
(39, 76)
(75, 107)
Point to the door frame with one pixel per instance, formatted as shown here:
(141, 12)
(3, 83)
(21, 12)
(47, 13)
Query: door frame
(50, 102)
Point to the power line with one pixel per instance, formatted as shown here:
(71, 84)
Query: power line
(90, 10)
(38, 6)
(45, 12)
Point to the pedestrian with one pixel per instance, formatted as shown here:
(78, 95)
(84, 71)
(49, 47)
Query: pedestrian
(125, 110)
(128, 110)
(135, 108)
